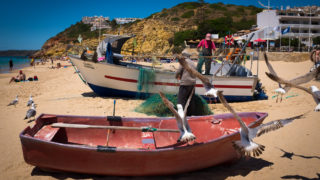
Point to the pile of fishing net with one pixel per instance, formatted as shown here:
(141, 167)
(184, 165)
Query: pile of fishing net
(145, 81)
(155, 106)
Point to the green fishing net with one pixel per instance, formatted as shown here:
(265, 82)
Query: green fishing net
(145, 80)
(154, 106)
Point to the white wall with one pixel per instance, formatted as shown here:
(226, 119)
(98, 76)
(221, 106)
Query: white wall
(267, 18)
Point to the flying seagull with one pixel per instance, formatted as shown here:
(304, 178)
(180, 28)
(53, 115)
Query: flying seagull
(30, 101)
(314, 91)
(181, 117)
(211, 92)
(298, 80)
(31, 112)
(246, 146)
(280, 91)
(14, 102)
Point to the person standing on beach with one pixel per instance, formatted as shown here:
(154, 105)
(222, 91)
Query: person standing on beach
(32, 63)
(187, 83)
(11, 64)
(208, 48)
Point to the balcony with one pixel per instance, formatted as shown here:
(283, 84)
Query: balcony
(297, 17)
(291, 34)
(312, 26)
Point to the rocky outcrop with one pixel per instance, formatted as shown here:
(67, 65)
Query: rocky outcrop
(154, 34)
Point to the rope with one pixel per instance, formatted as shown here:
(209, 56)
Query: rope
(85, 82)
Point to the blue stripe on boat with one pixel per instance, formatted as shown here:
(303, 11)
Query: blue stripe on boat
(110, 92)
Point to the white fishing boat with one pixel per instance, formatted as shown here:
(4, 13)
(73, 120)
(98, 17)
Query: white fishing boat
(122, 79)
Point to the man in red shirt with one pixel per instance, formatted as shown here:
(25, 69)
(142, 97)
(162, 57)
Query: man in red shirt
(208, 48)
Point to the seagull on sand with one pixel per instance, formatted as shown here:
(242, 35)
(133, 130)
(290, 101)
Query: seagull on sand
(314, 91)
(14, 102)
(210, 91)
(30, 101)
(31, 112)
(246, 146)
(298, 80)
(181, 116)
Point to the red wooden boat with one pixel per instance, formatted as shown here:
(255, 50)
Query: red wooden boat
(131, 152)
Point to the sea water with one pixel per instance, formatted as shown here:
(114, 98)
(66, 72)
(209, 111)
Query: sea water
(19, 62)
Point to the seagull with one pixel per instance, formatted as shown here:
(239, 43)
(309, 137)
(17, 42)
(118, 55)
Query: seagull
(31, 112)
(314, 91)
(316, 96)
(280, 91)
(298, 80)
(14, 102)
(181, 116)
(246, 146)
(30, 101)
(210, 91)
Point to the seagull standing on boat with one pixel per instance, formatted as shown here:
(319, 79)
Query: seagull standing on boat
(14, 102)
(181, 117)
(31, 112)
(246, 146)
(314, 91)
(30, 101)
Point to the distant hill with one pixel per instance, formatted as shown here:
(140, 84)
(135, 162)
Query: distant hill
(18, 52)
(163, 32)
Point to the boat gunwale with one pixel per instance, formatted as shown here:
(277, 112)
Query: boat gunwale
(94, 148)
(160, 71)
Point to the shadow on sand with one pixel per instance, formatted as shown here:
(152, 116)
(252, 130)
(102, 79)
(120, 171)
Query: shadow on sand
(289, 155)
(242, 167)
(30, 121)
(90, 94)
(94, 95)
(300, 177)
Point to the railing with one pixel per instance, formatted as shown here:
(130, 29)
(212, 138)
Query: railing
(297, 17)
(291, 34)
(301, 25)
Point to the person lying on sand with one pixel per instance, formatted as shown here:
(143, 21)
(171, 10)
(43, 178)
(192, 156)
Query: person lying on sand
(20, 77)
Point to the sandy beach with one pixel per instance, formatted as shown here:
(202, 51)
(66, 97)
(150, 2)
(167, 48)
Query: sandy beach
(291, 153)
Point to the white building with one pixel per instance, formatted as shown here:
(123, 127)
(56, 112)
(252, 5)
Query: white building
(304, 23)
(126, 20)
(97, 22)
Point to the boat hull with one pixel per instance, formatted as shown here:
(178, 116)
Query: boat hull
(91, 159)
(121, 81)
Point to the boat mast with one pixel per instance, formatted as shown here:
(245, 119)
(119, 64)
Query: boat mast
(99, 28)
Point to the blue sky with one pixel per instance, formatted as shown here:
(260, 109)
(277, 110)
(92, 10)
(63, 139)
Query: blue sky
(27, 24)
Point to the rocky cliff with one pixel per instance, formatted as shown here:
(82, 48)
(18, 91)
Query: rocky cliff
(154, 34)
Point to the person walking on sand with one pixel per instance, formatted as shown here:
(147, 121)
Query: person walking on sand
(187, 84)
(11, 64)
(208, 48)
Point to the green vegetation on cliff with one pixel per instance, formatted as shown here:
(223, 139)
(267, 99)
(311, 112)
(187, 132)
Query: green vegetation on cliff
(164, 32)
(72, 33)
